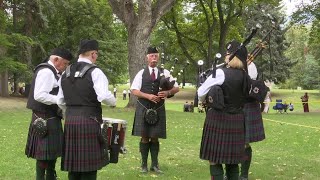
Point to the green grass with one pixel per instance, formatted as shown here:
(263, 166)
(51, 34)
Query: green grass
(290, 151)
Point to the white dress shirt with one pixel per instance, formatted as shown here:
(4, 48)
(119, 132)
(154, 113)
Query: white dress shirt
(137, 81)
(44, 83)
(206, 86)
(100, 85)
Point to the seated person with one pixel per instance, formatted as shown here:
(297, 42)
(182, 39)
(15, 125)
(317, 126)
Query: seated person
(191, 107)
(186, 107)
(200, 108)
(285, 106)
(290, 107)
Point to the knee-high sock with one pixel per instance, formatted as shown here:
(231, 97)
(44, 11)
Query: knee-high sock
(232, 171)
(154, 151)
(144, 150)
(92, 175)
(40, 169)
(74, 175)
(246, 164)
(51, 172)
(216, 172)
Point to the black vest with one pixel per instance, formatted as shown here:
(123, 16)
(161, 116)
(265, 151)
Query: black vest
(233, 90)
(38, 106)
(150, 87)
(79, 92)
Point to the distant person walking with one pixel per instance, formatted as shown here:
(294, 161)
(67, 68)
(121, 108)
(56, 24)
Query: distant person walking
(290, 107)
(124, 93)
(305, 99)
(267, 101)
(115, 92)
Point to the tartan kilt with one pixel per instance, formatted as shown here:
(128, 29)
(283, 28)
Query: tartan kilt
(48, 147)
(223, 138)
(143, 129)
(82, 148)
(253, 122)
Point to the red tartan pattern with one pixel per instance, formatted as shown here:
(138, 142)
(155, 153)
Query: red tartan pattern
(82, 149)
(223, 138)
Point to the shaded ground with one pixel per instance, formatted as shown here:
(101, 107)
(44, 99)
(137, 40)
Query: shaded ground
(12, 102)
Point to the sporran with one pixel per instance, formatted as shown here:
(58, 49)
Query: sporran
(151, 116)
(39, 126)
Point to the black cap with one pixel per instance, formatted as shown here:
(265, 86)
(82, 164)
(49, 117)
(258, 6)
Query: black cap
(64, 53)
(233, 47)
(152, 50)
(88, 45)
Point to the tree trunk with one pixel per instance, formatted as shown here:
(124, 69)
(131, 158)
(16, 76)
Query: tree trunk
(28, 32)
(4, 90)
(137, 45)
(139, 26)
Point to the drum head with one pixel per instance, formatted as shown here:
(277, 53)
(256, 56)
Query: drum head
(111, 120)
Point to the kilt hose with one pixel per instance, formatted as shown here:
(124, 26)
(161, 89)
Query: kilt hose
(48, 147)
(143, 129)
(82, 148)
(253, 122)
(223, 138)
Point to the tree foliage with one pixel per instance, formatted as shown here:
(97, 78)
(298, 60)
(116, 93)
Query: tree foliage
(202, 28)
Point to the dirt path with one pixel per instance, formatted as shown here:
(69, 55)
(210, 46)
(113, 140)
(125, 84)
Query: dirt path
(12, 102)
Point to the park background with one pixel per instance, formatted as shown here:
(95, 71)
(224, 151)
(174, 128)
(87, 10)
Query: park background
(290, 151)
(183, 30)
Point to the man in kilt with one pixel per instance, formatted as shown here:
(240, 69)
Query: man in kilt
(146, 87)
(253, 124)
(223, 137)
(83, 87)
(42, 101)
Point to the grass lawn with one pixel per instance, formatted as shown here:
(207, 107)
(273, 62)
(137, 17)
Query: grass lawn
(290, 151)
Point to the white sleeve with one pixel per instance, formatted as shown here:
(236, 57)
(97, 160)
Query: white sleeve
(137, 81)
(100, 85)
(60, 98)
(44, 83)
(206, 86)
(252, 71)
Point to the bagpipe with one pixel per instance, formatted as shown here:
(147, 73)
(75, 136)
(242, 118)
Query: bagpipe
(259, 47)
(165, 83)
(257, 89)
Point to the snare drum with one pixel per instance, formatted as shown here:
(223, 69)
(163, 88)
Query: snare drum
(116, 134)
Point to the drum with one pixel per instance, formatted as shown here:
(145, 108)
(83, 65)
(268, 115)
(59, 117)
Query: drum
(116, 133)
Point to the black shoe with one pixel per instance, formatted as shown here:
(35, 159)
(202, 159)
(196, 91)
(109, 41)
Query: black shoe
(144, 169)
(156, 169)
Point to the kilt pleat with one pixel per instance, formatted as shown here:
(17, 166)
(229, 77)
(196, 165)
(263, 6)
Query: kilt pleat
(82, 150)
(223, 138)
(142, 129)
(48, 147)
(253, 122)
